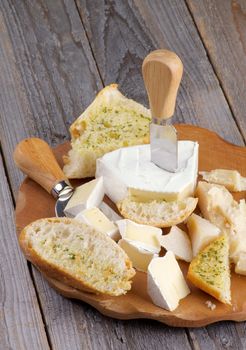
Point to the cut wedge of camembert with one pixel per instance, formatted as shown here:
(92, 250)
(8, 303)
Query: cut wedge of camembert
(166, 283)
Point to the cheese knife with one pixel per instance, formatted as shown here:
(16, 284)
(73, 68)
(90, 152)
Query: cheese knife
(34, 158)
(162, 72)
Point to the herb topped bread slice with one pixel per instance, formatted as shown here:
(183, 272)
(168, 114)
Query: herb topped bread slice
(77, 255)
(111, 121)
(210, 270)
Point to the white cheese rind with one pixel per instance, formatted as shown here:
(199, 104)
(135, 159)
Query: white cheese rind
(130, 168)
(144, 236)
(85, 196)
(139, 257)
(178, 242)
(109, 212)
(165, 282)
(94, 217)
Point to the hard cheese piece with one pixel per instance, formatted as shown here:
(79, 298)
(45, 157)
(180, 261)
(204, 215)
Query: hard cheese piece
(218, 206)
(85, 196)
(139, 257)
(146, 237)
(241, 264)
(178, 242)
(202, 232)
(210, 270)
(95, 218)
(130, 168)
(231, 179)
(166, 283)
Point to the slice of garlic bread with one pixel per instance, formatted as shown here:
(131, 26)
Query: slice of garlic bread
(111, 121)
(210, 270)
(77, 255)
(158, 213)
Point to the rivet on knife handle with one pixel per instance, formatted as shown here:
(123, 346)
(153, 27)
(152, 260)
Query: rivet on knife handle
(162, 73)
(34, 158)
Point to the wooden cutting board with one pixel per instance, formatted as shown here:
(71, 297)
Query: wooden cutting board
(34, 203)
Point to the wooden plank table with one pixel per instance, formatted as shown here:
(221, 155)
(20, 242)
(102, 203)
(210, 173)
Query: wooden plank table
(54, 57)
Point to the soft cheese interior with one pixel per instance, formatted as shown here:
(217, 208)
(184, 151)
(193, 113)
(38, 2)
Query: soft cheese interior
(130, 168)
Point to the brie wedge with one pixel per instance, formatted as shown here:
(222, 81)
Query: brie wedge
(95, 218)
(139, 257)
(144, 236)
(85, 196)
(166, 283)
(178, 242)
(130, 169)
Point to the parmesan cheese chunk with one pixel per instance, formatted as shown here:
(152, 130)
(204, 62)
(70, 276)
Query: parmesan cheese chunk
(202, 232)
(231, 179)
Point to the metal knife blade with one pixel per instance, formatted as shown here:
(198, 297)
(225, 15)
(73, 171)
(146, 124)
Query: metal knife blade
(164, 146)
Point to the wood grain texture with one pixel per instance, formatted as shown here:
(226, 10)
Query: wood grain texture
(48, 76)
(192, 311)
(122, 33)
(222, 26)
(21, 325)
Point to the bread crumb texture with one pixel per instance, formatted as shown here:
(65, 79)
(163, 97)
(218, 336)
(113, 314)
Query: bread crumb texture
(80, 252)
(158, 213)
(210, 270)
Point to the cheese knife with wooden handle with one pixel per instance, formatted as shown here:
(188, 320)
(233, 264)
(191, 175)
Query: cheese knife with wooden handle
(162, 72)
(34, 158)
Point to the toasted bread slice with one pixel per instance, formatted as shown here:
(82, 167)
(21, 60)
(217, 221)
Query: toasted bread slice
(210, 270)
(112, 121)
(158, 213)
(77, 255)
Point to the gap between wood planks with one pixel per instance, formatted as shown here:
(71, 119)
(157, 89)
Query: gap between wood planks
(28, 263)
(89, 43)
(215, 71)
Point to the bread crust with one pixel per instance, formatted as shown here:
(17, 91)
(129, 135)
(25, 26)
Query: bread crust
(161, 224)
(56, 272)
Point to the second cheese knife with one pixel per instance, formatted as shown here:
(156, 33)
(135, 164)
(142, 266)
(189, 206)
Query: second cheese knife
(34, 157)
(162, 73)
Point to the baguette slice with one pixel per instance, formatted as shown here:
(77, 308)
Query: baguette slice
(158, 213)
(111, 121)
(77, 255)
(210, 270)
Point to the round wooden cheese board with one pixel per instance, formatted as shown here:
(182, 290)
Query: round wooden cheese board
(33, 203)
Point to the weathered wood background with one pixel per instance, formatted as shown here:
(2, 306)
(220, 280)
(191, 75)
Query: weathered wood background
(54, 57)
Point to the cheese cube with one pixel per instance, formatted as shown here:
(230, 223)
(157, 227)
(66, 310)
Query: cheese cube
(139, 257)
(85, 196)
(147, 237)
(166, 283)
(202, 232)
(178, 242)
(95, 218)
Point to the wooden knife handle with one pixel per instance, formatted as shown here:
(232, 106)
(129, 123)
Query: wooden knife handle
(162, 72)
(34, 158)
